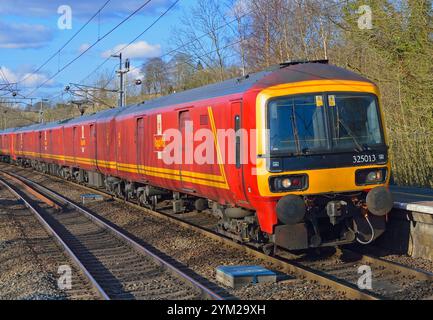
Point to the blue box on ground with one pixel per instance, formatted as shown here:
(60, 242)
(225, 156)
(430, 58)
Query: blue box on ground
(91, 197)
(237, 276)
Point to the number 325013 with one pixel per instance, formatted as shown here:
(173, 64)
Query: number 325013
(365, 158)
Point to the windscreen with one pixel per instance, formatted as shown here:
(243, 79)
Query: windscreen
(314, 123)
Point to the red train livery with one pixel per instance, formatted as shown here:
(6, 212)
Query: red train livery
(308, 158)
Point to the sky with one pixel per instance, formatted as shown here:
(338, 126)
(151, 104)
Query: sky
(31, 31)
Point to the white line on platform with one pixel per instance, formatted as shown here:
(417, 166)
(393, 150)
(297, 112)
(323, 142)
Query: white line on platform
(414, 207)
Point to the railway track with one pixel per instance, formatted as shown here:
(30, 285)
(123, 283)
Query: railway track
(338, 271)
(33, 255)
(116, 266)
(389, 280)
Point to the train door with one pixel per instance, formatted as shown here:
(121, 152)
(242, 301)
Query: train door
(75, 140)
(45, 144)
(238, 188)
(50, 142)
(92, 142)
(40, 145)
(13, 144)
(187, 161)
(10, 145)
(21, 148)
(140, 144)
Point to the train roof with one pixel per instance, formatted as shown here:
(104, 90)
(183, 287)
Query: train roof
(225, 88)
(283, 73)
(22, 129)
(104, 114)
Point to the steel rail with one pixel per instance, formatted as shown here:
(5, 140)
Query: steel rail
(206, 293)
(32, 191)
(59, 240)
(301, 271)
(391, 265)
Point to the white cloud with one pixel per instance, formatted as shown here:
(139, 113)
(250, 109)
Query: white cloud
(9, 75)
(26, 79)
(35, 79)
(83, 47)
(80, 8)
(137, 50)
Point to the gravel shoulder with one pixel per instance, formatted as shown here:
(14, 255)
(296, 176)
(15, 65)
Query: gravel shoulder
(30, 258)
(200, 254)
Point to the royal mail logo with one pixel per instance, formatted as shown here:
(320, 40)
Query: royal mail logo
(159, 142)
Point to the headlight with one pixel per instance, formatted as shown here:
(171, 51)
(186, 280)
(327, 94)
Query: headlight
(371, 176)
(288, 183)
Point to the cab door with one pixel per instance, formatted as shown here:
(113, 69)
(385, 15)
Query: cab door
(241, 153)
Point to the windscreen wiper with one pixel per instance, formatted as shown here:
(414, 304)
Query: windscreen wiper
(358, 145)
(295, 130)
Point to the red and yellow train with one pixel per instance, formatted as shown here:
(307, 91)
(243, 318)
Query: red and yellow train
(297, 156)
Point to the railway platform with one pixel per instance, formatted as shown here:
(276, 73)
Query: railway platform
(410, 226)
(413, 199)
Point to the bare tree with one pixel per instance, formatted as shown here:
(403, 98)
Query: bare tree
(156, 78)
(201, 35)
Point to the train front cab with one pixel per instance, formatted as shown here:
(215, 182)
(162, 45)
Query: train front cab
(326, 169)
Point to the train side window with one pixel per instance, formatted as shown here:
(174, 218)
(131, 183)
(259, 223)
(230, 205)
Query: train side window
(92, 132)
(140, 141)
(204, 120)
(184, 117)
(238, 140)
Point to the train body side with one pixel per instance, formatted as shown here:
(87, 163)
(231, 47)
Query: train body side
(134, 153)
(125, 147)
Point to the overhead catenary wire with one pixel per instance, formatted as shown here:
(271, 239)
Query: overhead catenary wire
(191, 59)
(90, 47)
(126, 46)
(229, 23)
(171, 52)
(133, 40)
(57, 53)
(176, 50)
(8, 85)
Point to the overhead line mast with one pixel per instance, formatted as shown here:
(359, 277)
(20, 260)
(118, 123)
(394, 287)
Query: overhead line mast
(122, 72)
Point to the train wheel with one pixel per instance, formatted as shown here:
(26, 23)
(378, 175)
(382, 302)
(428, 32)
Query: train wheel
(269, 249)
(119, 192)
(154, 202)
